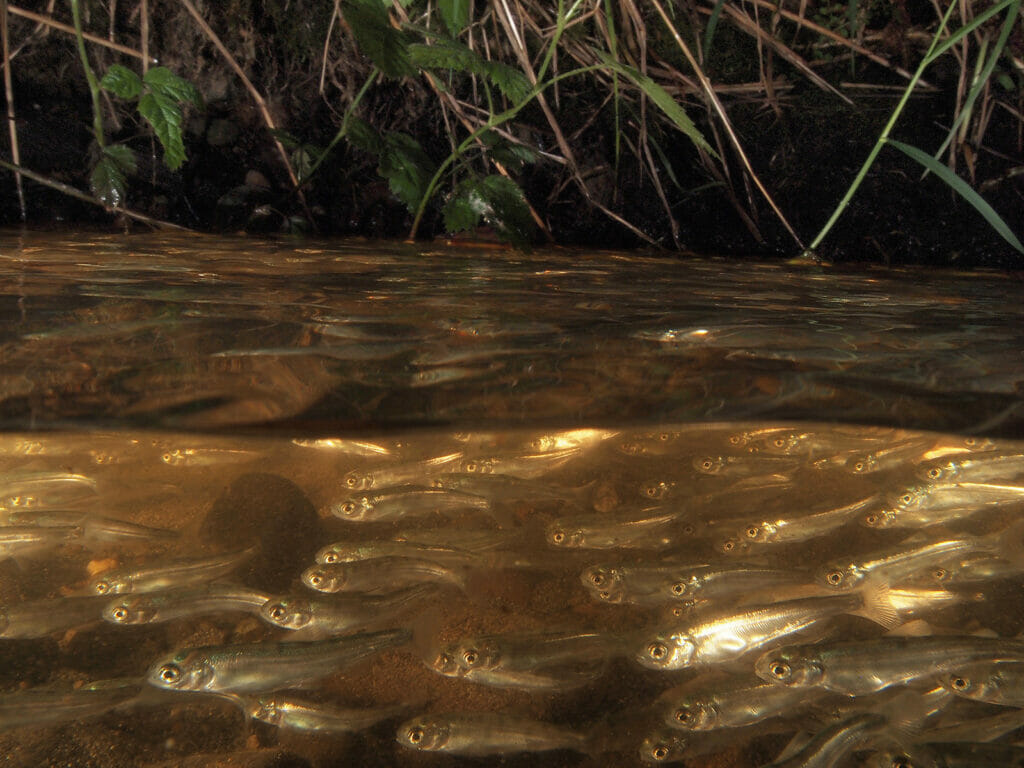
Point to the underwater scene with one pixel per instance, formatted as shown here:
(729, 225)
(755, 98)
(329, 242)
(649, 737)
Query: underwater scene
(305, 505)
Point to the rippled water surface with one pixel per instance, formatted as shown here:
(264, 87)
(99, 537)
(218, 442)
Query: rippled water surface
(506, 448)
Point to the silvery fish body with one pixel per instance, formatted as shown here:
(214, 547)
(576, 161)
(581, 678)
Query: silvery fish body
(920, 506)
(718, 701)
(28, 540)
(827, 747)
(350, 552)
(266, 666)
(93, 527)
(170, 605)
(170, 575)
(725, 635)
(398, 473)
(992, 682)
(528, 660)
(39, 618)
(795, 528)
(316, 616)
(481, 734)
(744, 466)
(287, 711)
(888, 458)
(395, 503)
(505, 488)
(983, 468)
(46, 705)
(524, 466)
(381, 574)
(867, 666)
(954, 754)
(653, 529)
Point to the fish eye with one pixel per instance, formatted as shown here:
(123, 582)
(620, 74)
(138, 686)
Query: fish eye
(471, 466)
(605, 595)
(728, 546)
(348, 508)
(752, 531)
(679, 588)
(934, 473)
(558, 537)
(835, 578)
(780, 670)
(120, 613)
(169, 673)
(939, 574)
(707, 465)
(651, 491)
(415, 734)
(959, 683)
(970, 442)
(689, 529)
(470, 657)
(859, 466)
(871, 518)
(597, 579)
(316, 579)
(906, 498)
(664, 437)
(659, 752)
(101, 587)
(736, 440)
(779, 442)
(657, 651)
(683, 715)
(331, 557)
(278, 612)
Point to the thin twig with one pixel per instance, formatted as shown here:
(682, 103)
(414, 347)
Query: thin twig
(12, 126)
(78, 194)
(261, 104)
(49, 22)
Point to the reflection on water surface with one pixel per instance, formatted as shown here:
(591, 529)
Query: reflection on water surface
(680, 570)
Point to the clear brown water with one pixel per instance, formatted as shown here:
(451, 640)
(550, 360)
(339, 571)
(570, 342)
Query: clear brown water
(189, 377)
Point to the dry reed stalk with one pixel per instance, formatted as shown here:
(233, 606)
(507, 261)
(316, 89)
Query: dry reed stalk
(12, 126)
(144, 35)
(68, 29)
(726, 123)
(327, 42)
(261, 104)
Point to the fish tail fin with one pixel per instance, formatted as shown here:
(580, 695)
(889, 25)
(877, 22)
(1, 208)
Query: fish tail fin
(877, 604)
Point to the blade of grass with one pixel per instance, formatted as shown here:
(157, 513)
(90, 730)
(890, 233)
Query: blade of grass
(963, 189)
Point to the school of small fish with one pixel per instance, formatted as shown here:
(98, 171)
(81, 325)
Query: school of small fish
(792, 595)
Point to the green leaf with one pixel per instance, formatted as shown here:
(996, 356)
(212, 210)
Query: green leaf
(385, 46)
(108, 180)
(122, 82)
(495, 199)
(451, 54)
(407, 168)
(363, 135)
(961, 188)
(513, 83)
(661, 98)
(455, 14)
(163, 113)
(162, 81)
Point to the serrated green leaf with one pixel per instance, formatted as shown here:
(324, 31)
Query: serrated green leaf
(123, 156)
(107, 181)
(407, 168)
(122, 82)
(961, 187)
(661, 98)
(465, 206)
(443, 54)
(509, 212)
(385, 46)
(455, 14)
(164, 82)
(287, 140)
(303, 159)
(363, 135)
(512, 156)
(163, 113)
(513, 84)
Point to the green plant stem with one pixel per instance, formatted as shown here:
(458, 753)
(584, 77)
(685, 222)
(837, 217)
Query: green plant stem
(90, 77)
(492, 122)
(374, 74)
(929, 57)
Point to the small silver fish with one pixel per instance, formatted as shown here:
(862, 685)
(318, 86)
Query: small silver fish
(723, 635)
(522, 466)
(399, 473)
(395, 503)
(545, 660)
(170, 575)
(828, 746)
(992, 682)
(482, 734)
(925, 505)
(39, 618)
(654, 529)
(266, 666)
(316, 617)
(381, 574)
(797, 528)
(862, 667)
(287, 711)
(46, 705)
(182, 603)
